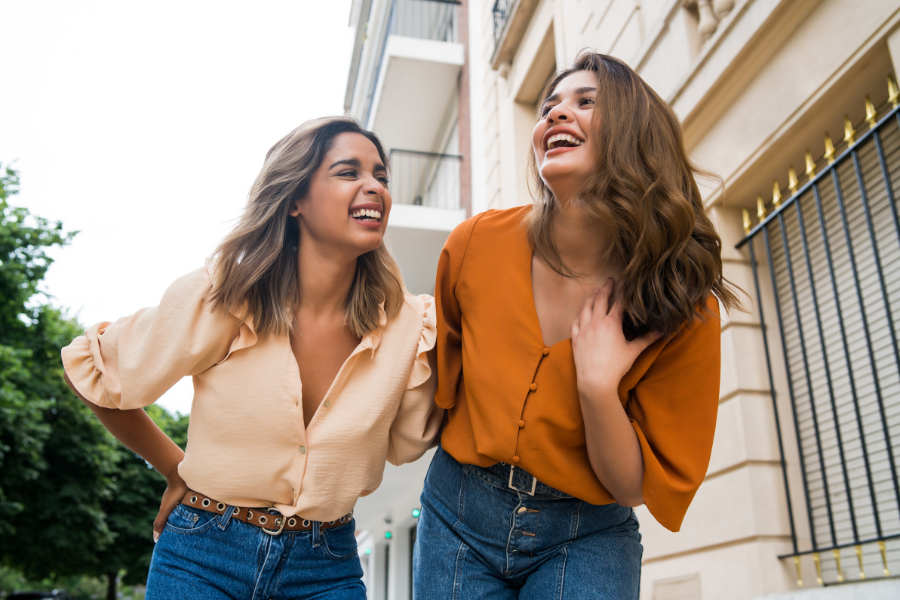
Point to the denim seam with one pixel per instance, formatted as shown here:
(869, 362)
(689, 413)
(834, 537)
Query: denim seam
(461, 502)
(457, 579)
(287, 542)
(331, 554)
(561, 577)
(192, 531)
(263, 568)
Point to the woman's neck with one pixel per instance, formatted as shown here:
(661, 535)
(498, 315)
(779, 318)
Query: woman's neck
(324, 278)
(582, 241)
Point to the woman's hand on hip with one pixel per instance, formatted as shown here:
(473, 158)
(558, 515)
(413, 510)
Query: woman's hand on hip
(602, 354)
(171, 498)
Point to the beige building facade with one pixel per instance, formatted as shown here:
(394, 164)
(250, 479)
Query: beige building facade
(755, 83)
(802, 484)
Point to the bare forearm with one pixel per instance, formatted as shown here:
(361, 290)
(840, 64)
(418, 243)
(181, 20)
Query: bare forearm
(613, 447)
(136, 430)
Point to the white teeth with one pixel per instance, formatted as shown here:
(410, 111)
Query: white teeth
(563, 137)
(374, 214)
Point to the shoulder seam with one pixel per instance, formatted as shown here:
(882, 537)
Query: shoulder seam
(462, 262)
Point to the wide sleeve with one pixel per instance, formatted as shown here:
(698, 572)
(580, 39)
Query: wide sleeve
(132, 362)
(449, 326)
(673, 411)
(418, 419)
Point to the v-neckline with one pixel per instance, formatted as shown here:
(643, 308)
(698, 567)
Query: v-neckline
(360, 347)
(533, 304)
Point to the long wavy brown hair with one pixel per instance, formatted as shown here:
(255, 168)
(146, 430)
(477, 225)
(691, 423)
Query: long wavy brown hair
(255, 272)
(644, 191)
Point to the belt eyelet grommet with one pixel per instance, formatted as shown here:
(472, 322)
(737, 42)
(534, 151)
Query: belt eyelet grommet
(206, 503)
(331, 522)
(263, 519)
(306, 522)
(193, 499)
(277, 522)
(292, 522)
(249, 515)
(236, 510)
(343, 519)
(220, 506)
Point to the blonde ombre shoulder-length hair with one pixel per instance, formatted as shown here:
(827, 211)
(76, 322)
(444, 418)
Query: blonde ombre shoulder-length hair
(255, 266)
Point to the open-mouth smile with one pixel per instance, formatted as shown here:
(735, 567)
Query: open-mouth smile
(563, 140)
(364, 214)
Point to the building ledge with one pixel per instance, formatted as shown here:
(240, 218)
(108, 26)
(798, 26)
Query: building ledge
(888, 589)
(514, 28)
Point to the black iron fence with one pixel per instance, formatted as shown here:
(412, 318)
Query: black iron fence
(425, 178)
(501, 13)
(830, 278)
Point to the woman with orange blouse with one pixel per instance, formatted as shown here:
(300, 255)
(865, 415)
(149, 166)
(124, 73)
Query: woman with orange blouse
(578, 356)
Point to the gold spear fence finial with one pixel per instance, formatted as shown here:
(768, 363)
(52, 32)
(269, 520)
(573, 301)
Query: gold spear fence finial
(837, 558)
(799, 573)
(747, 224)
(818, 562)
(871, 113)
(881, 547)
(760, 208)
(859, 557)
(893, 92)
(810, 165)
(776, 195)
(829, 148)
(793, 183)
(849, 132)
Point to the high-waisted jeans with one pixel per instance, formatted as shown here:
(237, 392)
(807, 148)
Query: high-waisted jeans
(479, 539)
(206, 556)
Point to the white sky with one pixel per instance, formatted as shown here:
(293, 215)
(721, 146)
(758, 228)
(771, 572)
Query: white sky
(143, 125)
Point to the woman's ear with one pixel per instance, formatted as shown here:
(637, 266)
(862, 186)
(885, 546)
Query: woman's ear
(295, 208)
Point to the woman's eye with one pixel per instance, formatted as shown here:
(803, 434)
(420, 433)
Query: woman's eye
(384, 181)
(347, 174)
(584, 101)
(545, 110)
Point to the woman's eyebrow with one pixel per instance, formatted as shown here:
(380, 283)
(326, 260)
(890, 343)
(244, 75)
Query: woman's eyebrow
(578, 92)
(353, 162)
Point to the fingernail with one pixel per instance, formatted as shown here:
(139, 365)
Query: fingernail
(155, 536)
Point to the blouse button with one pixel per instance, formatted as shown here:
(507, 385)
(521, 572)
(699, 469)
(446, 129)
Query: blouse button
(515, 459)
(521, 424)
(327, 403)
(532, 387)
(302, 449)
(546, 351)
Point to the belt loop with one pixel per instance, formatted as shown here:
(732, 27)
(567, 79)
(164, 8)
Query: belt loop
(315, 534)
(225, 518)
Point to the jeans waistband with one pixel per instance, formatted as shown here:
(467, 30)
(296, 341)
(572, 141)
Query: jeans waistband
(517, 479)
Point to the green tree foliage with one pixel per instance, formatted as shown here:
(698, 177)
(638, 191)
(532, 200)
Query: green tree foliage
(73, 502)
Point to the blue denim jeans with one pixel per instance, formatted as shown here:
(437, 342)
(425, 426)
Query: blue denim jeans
(206, 556)
(479, 539)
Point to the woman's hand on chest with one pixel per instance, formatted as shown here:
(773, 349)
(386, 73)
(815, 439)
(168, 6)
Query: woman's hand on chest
(602, 353)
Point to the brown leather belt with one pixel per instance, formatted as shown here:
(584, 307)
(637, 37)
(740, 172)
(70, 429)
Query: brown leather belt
(261, 517)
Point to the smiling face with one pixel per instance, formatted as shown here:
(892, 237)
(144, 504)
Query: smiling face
(561, 139)
(347, 203)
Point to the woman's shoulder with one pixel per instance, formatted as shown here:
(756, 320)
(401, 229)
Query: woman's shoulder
(491, 225)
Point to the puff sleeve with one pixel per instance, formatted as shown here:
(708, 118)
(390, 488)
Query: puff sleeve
(673, 411)
(418, 419)
(449, 328)
(132, 362)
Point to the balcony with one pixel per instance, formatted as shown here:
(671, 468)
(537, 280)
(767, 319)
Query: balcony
(425, 191)
(416, 77)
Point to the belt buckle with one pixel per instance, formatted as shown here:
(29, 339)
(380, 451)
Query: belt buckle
(280, 529)
(512, 487)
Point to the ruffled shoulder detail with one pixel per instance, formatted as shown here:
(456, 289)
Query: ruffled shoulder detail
(421, 370)
(83, 364)
(247, 334)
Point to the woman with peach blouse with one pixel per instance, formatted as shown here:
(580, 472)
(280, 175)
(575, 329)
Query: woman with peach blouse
(578, 356)
(310, 370)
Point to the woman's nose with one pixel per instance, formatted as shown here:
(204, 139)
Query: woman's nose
(558, 113)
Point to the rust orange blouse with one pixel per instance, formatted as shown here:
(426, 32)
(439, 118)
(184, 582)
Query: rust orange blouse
(510, 398)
